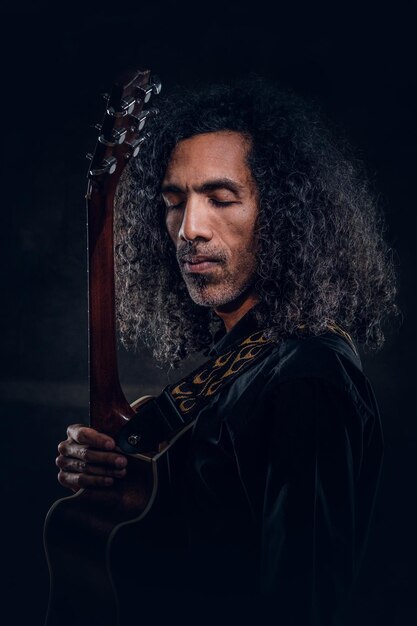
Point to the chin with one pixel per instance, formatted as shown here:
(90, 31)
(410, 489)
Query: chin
(214, 297)
(208, 300)
(204, 296)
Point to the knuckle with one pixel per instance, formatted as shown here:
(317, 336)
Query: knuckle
(83, 453)
(73, 430)
(80, 430)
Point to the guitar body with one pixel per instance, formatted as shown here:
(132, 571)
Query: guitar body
(108, 548)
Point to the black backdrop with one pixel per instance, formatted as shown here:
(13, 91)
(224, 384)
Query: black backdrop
(356, 63)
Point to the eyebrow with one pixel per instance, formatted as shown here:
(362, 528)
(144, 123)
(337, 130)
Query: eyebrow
(207, 186)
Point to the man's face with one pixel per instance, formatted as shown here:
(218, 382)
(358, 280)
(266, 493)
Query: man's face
(211, 209)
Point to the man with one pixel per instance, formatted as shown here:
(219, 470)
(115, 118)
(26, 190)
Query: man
(242, 214)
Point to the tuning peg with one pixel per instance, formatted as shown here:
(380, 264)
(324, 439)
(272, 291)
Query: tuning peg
(108, 166)
(89, 156)
(154, 87)
(97, 125)
(127, 106)
(143, 116)
(117, 137)
(139, 119)
(135, 145)
(105, 96)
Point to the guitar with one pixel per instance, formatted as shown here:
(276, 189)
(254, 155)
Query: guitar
(89, 537)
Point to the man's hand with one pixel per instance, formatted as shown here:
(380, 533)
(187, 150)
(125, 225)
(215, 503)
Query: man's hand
(86, 459)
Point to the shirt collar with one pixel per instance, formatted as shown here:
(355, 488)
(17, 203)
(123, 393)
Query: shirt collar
(244, 327)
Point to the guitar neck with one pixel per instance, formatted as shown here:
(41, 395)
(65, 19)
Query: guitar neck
(119, 140)
(109, 408)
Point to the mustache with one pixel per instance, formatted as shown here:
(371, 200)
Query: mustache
(188, 251)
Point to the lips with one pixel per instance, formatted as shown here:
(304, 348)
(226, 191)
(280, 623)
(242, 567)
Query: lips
(195, 260)
(198, 263)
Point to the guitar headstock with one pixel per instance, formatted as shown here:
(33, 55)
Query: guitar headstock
(122, 131)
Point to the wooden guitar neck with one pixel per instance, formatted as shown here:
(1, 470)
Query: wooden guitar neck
(120, 138)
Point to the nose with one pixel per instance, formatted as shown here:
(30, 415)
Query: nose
(195, 221)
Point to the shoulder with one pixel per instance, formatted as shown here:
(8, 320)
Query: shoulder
(326, 362)
(324, 357)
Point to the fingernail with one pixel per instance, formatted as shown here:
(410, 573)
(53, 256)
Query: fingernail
(120, 461)
(109, 445)
(108, 481)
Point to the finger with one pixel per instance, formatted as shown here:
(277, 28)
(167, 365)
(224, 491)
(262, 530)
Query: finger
(83, 481)
(76, 451)
(75, 466)
(90, 437)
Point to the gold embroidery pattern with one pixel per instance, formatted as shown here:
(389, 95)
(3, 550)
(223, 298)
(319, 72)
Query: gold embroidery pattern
(215, 375)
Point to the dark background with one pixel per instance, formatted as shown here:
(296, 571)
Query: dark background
(358, 64)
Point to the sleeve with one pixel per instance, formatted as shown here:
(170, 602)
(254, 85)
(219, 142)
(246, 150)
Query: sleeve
(309, 543)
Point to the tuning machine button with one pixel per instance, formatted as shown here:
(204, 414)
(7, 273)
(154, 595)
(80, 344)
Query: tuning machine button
(143, 116)
(135, 145)
(117, 137)
(154, 87)
(108, 166)
(127, 106)
(140, 119)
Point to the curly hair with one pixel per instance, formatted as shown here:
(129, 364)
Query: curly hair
(321, 254)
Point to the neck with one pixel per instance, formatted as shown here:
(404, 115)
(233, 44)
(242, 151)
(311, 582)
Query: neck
(232, 312)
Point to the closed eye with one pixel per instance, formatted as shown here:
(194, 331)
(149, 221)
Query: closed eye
(219, 203)
(170, 207)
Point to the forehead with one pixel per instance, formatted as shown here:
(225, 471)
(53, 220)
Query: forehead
(209, 155)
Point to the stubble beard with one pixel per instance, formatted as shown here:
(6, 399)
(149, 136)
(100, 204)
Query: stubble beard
(216, 291)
